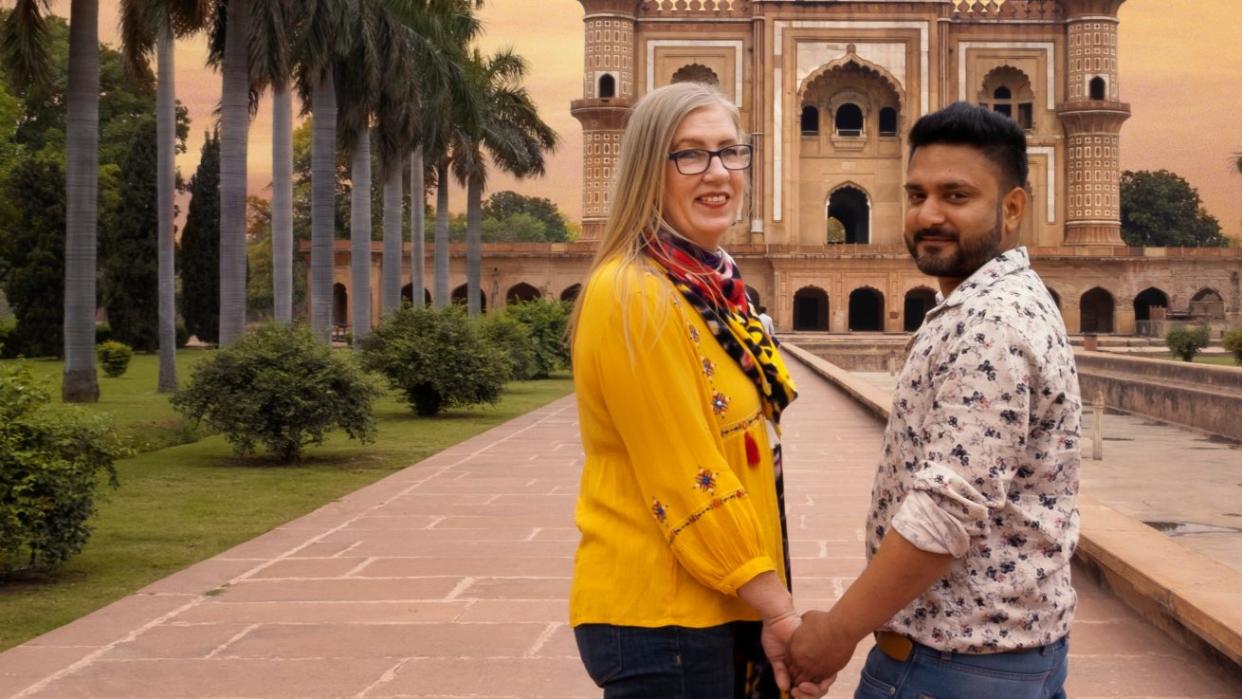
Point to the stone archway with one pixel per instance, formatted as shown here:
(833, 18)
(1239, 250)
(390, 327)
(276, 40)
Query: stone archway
(1207, 305)
(521, 292)
(340, 305)
(459, 296)
(570, 294)
(810, 309)
(1146, 300)
(866, 310)
(407, 295)
(918, 302)
(1095, 310)
(850, 205)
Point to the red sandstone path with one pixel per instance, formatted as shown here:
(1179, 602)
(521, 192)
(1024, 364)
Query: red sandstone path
(449, 579)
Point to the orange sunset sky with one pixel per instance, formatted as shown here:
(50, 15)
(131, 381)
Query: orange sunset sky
(1180, 62)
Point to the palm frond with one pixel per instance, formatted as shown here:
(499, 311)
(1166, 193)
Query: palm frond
(24, 44)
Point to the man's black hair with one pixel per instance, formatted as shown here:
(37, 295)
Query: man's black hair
(998, 137)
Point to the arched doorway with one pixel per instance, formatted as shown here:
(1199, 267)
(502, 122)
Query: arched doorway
(459, 296)
(1207, 305)
(918, 302)
(1056, 298)
(340, 306)
(866, 310)
(407, 295)
(571, 294)
(521, 292)
(1096, 311)
(810, 309)
(849, 205)
(1148, 299)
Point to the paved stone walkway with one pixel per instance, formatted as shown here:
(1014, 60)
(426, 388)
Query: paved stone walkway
(449, 579)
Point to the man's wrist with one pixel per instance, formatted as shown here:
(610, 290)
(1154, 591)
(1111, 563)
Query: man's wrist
(844, 626)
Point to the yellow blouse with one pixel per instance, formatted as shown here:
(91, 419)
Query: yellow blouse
(673, 519)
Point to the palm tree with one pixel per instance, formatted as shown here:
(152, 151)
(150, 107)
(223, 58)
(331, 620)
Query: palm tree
(418, 233)
(148, 27)
(24, 50)
(275, 27)
(321, 43)
(234, 136)
(511, 133)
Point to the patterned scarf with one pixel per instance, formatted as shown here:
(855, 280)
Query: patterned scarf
(713, 286)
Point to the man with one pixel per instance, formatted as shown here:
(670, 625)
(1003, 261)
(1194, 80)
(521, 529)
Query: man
(765, 320)
(973, 520)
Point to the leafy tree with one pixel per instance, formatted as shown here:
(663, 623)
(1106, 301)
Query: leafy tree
(260, 289)
(547, 322)
(520, 227)
(199, 254)
(1160, 209)
(437, 358)
(501, 205)
(33, 245)
(1232, 342)
(1186, 342)
(280, 388)
(50, 461)
(129, 263)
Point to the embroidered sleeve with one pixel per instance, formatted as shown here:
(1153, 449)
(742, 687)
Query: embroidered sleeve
(661, 407)
(972, 440)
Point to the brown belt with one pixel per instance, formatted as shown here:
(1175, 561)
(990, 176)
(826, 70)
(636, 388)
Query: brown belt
(899, 648)
(894, 645)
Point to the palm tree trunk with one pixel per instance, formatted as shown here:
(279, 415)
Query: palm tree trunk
(474, 245)
(166, 135)
(441, 296)
(234, 123)
(390, 299)
(418, 233)
(360, 238)
(282, 205)
(323, 203)
(80, 383)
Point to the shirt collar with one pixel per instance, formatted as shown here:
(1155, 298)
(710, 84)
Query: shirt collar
(1003, 265)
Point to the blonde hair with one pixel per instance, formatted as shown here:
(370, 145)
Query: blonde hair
(637, 191)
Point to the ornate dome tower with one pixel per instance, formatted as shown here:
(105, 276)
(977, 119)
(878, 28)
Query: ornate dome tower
(1092, 115)
(607, 97)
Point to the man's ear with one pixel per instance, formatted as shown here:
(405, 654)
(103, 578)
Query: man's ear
(1014, 207)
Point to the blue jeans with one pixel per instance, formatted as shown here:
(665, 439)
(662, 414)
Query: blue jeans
(669, 662)
(1038, 673)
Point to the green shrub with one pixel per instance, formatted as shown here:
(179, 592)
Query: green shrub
(547, 322)
(103, 333)
(437, 358)
(1186, 342)
(514, 339)
(1232, 342)
(51, 458)
(8, 329)
(114, 357)
(278, 387)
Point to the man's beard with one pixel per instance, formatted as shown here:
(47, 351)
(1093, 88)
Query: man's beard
(966, 257)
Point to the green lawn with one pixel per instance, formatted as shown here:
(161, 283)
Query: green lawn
(185, 503)
(143, 417)
(1223, 360)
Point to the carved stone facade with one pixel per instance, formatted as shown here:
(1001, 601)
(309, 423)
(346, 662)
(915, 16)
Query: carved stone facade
(827, 92)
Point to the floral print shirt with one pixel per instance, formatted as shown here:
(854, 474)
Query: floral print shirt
(981, 461)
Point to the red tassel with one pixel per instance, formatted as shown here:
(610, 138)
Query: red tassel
(752, 451)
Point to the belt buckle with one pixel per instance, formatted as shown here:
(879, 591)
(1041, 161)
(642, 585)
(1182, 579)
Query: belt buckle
(894, 645)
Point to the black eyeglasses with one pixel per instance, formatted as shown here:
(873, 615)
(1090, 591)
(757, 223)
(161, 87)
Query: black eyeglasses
(695, 161)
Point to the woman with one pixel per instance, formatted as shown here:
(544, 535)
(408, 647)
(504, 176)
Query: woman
(683, 550)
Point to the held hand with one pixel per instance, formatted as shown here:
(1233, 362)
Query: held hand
(775, 641)
(818, 650)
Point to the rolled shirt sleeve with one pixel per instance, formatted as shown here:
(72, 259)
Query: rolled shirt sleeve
(972, 440)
